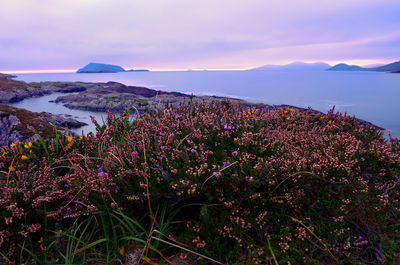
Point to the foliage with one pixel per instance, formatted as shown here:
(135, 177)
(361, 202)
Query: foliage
(238, 185)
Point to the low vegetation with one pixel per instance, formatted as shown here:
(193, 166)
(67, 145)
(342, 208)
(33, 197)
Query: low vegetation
(211, 183)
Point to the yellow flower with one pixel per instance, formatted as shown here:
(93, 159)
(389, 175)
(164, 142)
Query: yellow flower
(40, 240)
(121, 250)
(81, 138)
(69, 139)
(11, 168)
(12, 145)
(4, 154)
(331, 122)
(23, 157)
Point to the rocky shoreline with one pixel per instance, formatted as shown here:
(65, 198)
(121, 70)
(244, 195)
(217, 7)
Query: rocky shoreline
(110, 96)
(12, 91)
(20, 125)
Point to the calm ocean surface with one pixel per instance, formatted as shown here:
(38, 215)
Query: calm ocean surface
(370, 96)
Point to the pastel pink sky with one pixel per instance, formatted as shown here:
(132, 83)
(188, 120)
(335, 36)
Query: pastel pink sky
(185, 34)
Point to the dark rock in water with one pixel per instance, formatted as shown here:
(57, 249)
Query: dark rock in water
(20, 124)
(62, 121)
(138, 70)
(101, 68)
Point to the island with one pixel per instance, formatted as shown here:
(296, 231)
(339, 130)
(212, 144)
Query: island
(390, 68)
(105, 68)
(138, 70)
(346, 67)
(101, 68)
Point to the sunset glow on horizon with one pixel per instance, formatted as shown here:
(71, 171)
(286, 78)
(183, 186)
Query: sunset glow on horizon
(362, 62)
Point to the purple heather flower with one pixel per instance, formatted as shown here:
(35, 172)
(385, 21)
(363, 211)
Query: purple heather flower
(364, 242)
(162, 133)
(287, 227)
(134, 153)
(360, 238)
(235, 153)
(203, 153)
(173, 125)
(102, 174)
(217, 174)
(177, 116)
(193, 150)
(228, 127)
(163, 147)
(226, 163)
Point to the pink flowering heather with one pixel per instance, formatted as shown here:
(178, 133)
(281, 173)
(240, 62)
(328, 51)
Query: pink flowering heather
(317, 189)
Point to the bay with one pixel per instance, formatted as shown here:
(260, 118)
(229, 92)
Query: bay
(370, 96)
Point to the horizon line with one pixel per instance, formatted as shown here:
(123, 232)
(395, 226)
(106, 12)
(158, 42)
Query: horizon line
(362, 62)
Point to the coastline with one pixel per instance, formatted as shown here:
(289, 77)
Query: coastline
(113, 96)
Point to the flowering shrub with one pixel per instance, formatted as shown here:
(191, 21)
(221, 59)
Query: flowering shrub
(254, 185)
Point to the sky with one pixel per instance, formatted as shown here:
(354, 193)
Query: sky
(185, 34)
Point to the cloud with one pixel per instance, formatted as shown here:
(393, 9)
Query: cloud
(190, 34)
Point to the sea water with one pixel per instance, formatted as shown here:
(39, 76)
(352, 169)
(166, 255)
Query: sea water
(371, 96)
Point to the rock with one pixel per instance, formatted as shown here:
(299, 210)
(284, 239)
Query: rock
(101, 68)
(138, 70)
(117, 97)
(62, 121)
(20, 124)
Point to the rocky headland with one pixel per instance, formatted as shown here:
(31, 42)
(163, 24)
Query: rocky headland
(20, 125)
(12, 91)
(117, 97)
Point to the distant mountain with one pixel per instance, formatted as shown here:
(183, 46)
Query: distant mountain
(373, 65)
(295, 66)
(392, 67)
(346, 67)
(101, 68)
